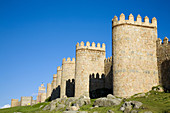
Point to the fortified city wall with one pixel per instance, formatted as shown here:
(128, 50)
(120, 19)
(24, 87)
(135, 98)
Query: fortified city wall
(68, 72)
(89, 59)
(163, 57)
(134, 55)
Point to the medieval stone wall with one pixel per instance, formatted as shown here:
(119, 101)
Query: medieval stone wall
(25, 101)
(15, 102)
(134, 55)
(68, 72)
(108, 73)
(48, 90)
(89, 59)
(163, 57)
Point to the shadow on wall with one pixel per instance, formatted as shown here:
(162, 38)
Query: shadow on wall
(165, 75)
(55, 93)
(70, 88)
(97, 86)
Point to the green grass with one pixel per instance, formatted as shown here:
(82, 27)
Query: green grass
(157, 102)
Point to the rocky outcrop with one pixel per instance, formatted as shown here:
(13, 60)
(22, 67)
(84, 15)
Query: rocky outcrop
(109, 101)
(129, 105)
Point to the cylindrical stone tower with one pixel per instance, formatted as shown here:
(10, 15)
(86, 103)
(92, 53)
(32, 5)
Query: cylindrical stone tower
(89, 59)
(134, 55)
(54, 81)
(48, 90)
(59, 73)
(68, 72)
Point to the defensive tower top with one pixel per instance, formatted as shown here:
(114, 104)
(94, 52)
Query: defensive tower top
(131, 21)
(92, 47)
(68, 60)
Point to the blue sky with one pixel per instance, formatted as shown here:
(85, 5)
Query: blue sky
(35, 35)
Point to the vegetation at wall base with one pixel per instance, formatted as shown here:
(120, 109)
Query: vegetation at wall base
(157, 102)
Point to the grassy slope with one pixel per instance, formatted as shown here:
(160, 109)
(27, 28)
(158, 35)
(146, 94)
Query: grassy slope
(157, 102)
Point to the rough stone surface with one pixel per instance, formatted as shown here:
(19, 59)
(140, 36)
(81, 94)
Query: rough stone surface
(104, 102)
(68, 73)
(136, 104)
(110, 96)
(134, 55)
(134, 111)
(89, 60)
(140, 95)
(110, 111)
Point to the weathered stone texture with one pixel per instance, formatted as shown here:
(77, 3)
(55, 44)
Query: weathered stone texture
(15, 102)
(163, 57)
(134, 56)
(68, 72)
(26, 101)
(59, 73)
(89, 59)
(48, 90)
(108, 73)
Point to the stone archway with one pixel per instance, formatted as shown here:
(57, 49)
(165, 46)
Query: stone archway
(165, 75)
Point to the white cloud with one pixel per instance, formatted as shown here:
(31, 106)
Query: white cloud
(5, 106)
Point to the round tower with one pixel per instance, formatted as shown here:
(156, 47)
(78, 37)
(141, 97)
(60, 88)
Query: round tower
(134, 55)
(68, 72)
(89, 59)
(59, 73)
(48, 90)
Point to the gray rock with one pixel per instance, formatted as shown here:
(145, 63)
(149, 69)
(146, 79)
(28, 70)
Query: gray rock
(104, 102)
(110, 111)
(140, 95)
(136, 104)
(95, 112)
(126, 107)
(147, 112)
(41, 106)
(47, 107)
(52, 106)
(134, 111)
(60, 106)
(110, 96)
(83, 101)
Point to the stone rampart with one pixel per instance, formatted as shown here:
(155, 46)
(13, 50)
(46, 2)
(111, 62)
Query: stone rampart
(163, 57)
(89, 59)
(68, 72)
(134, 55)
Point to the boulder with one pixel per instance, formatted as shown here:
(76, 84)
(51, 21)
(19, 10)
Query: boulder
(134, 111)
(136, 104)
(129, 105)
(110, 96)
(140, 95)
(52, 106)
(104, 102)
(147, 112)
(47, 107)
(110, 111)
(60, 106)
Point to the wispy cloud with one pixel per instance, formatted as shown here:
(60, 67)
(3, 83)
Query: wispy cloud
(5, 106)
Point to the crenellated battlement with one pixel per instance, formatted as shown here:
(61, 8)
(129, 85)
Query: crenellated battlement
(96, 76)
(131, 21)
(91, 47)
(54, 75)
(164, 42)
(68, 60)
(59, 68)
(107, 60)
